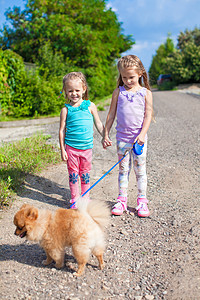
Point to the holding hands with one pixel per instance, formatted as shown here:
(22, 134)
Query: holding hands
(106, 142)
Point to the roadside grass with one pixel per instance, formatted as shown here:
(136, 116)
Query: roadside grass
(18, 159)
(9, 119)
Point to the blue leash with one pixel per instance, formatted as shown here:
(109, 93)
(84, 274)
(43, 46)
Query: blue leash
(104, 175)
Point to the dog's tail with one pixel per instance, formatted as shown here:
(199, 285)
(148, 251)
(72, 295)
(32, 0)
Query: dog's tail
(97, 210)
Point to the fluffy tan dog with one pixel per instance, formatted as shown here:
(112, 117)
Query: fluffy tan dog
(82, 229)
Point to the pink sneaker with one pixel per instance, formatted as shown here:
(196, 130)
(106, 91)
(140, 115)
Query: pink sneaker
(142, 207)
(120, 206)
(73, 205)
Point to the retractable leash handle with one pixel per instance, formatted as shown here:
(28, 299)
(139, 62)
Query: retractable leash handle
(138, 149)
(104, 175)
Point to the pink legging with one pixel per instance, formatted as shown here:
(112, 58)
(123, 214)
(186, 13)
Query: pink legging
(79, 164)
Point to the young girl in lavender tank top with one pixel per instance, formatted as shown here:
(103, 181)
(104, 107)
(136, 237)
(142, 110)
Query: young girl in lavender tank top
(132, 103)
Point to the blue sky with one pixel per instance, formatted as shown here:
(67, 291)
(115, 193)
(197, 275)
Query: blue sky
(149, 21)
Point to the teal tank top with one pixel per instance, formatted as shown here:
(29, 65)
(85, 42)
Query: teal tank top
(79, 126)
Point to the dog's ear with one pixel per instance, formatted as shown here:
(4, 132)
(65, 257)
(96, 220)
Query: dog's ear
(31, 213)
(24, 206)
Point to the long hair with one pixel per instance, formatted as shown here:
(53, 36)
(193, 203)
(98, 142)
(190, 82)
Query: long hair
(76, 75)
(130, 61)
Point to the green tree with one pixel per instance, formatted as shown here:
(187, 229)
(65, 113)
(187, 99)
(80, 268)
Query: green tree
(84, 31)
(158, 65)
(184, 65)
(182, 62)
(187, 37)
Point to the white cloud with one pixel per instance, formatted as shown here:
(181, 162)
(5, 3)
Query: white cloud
(152, 13)
(109, 5)
(142, 45)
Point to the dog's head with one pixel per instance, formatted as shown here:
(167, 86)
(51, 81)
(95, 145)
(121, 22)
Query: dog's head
(24, 220)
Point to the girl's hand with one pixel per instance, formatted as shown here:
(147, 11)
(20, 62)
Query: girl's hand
(140, 139)
(64, 155)
(106, 142)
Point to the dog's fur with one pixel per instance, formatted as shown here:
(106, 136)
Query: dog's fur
(82, 229)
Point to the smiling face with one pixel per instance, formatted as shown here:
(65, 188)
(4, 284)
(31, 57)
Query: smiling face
(130, 77)
(75, 91)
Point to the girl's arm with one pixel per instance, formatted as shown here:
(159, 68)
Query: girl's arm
(147, 118)
(110, 118)
(62, 130)
(98, 124)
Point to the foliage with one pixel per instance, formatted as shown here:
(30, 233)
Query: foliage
(25, 94)
(188, 37)
(183, 62)
(19, 159)
(159, 60)
(35, 93)
(168, 85)
(83, 33)
(184, 65)
(52, 65)
(12, 74)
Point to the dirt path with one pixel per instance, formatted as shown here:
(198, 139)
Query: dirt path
(153, 258)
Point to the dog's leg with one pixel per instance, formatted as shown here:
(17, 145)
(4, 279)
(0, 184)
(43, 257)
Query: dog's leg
(48, 260)
(100, 260)
(99, 255)
(59, 259)
(60, 263)
(55, 255)
(82, 255)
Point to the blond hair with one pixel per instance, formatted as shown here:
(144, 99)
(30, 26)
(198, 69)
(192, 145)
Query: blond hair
(74, 76)
(132, 61)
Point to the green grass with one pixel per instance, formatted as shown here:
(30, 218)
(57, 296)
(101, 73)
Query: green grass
(7, 118)
(21, 158)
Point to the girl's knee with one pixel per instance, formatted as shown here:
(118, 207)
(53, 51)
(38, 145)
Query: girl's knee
(85, 177)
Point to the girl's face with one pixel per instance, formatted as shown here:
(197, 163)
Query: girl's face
(75, 90)
(130, 77)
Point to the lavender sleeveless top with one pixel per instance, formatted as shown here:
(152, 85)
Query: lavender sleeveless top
(130, 114)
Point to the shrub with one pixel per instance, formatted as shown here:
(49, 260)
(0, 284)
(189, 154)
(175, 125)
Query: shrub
(12, 75)
(26, 94)
(168, 85)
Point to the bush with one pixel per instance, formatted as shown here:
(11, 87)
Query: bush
(12, 76)
(166, 86)
(26, 94)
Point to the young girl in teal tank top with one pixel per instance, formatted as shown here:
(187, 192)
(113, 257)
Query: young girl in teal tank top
(76, 132)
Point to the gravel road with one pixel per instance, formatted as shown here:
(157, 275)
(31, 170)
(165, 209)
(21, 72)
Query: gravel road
(146, 258)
